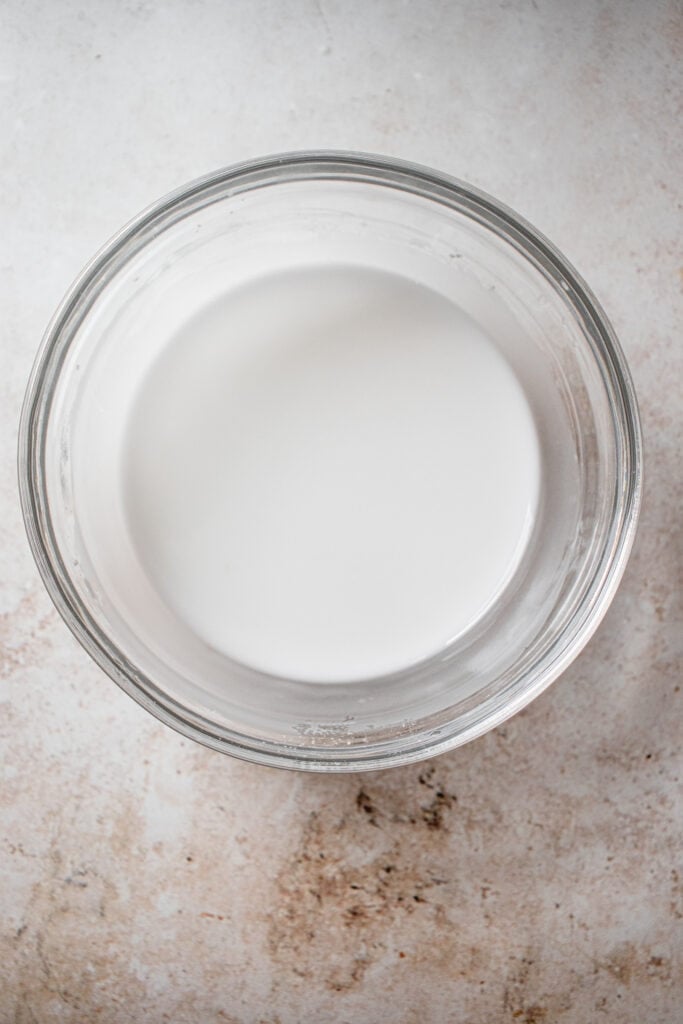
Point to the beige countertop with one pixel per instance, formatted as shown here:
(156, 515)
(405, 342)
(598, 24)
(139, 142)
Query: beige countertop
(534, 876)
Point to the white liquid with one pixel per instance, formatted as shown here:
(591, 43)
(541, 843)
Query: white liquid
(330, 473)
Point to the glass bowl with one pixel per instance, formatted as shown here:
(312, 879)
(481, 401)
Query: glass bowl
(303, 209)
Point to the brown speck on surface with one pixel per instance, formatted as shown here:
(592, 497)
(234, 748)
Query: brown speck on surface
(365, 804)
(433, 814)
(386, 892)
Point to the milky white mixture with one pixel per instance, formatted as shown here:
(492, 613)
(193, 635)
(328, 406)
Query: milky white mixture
(330, 472)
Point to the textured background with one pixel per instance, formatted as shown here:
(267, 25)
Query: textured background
(534, 876)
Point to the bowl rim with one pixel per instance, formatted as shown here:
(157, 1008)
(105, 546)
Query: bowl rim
(418, 180)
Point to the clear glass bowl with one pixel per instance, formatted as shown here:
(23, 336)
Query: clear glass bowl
(393, 216)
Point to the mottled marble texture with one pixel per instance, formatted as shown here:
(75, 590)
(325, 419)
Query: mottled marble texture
(534, 876)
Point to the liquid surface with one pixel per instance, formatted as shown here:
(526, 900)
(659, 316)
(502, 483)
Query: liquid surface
(330, 473)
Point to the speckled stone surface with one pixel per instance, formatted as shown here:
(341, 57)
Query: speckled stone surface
(534, 876)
